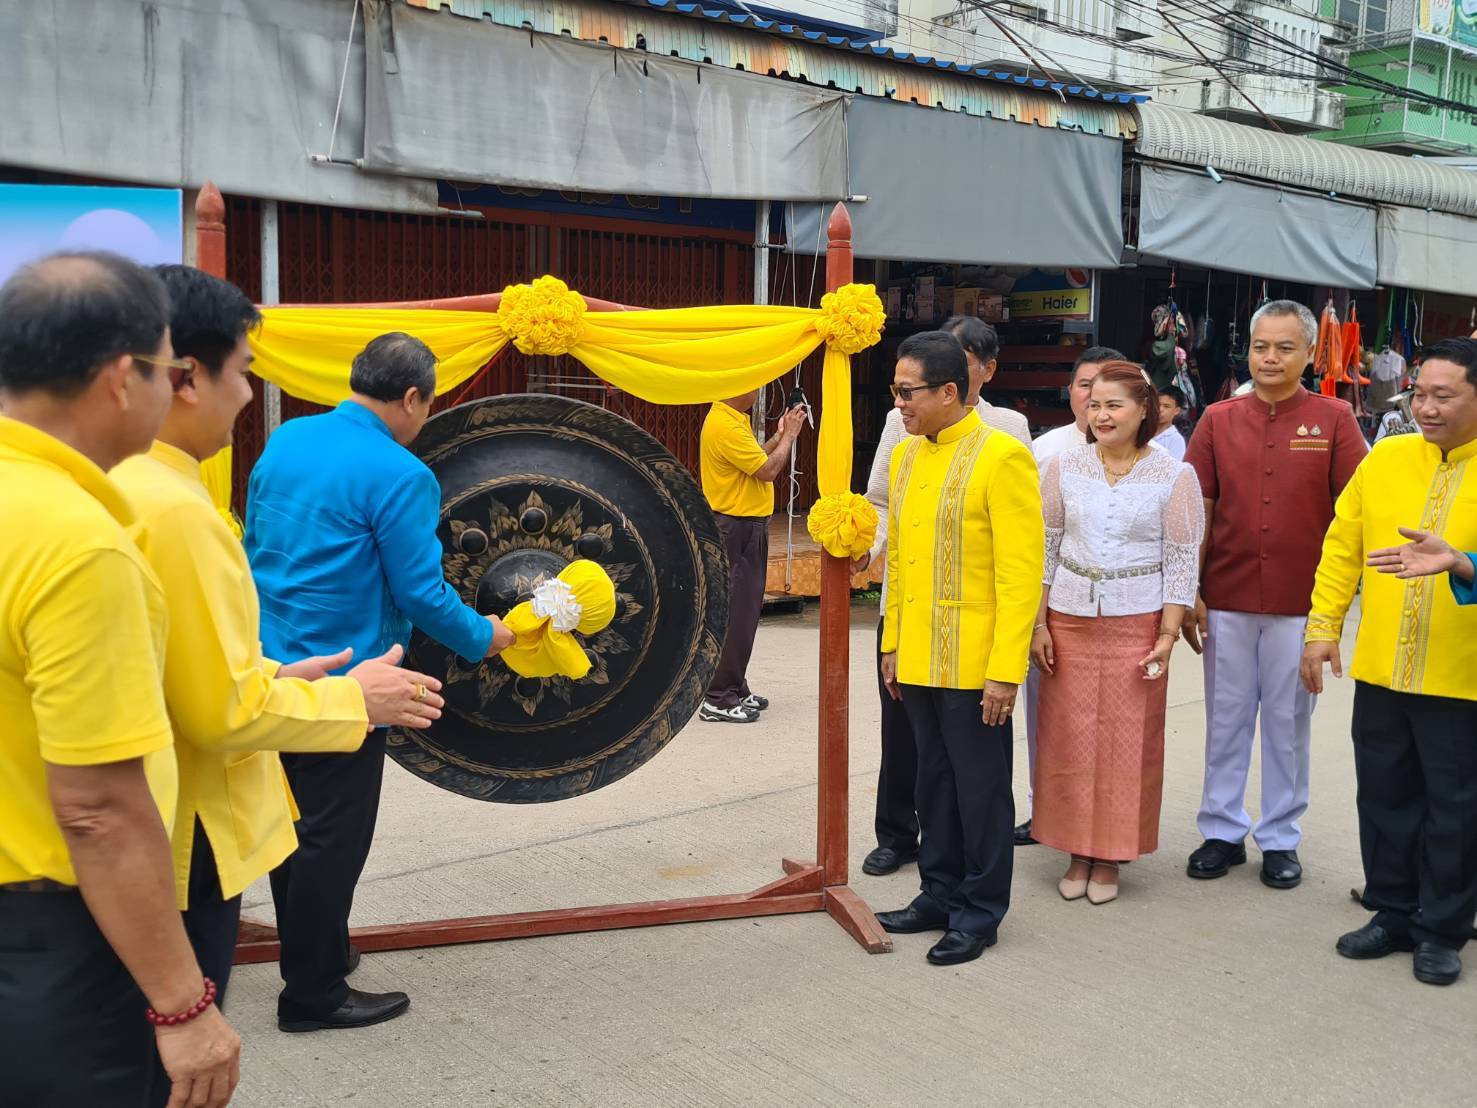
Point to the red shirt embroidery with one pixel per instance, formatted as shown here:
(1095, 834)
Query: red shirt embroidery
(1274, 476)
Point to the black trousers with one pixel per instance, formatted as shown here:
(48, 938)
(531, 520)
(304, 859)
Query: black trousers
(212, 924)
(965, 808)
(72, 1027)
(338, 796)
(897, 775)
(746, 538)
(1415, 759)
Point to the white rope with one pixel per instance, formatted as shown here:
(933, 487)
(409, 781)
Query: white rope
(344, 77)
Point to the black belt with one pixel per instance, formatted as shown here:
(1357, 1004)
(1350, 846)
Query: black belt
(39, 885)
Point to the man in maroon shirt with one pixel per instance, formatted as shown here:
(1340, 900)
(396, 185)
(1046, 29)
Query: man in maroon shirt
(1271, 464)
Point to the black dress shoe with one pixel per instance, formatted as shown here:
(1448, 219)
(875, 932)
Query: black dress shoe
(885, 860)
(1215, 858)
(1023, 835)
(1436, 965)
(1281, 869)
(1372, 941)
(910, 921)
(358, 1010)
(959, 946)
(354, 956)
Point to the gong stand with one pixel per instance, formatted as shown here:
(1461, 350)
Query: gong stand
(807, 886)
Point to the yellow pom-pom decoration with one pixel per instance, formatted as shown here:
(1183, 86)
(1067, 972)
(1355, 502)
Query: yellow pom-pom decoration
(843, 524)
(581, 599)
(546, 317)
(851, 318)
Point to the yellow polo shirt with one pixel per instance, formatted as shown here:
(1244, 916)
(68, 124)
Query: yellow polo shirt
(1413, 636)
(230, 713)
(729, 457)
(81, 639)
(965, 550)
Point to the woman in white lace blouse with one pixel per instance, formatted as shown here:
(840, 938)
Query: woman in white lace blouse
(1123, 530)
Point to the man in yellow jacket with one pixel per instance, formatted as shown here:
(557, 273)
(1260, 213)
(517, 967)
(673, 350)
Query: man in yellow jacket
(965, 548)
(231, 708)
(1415, 698)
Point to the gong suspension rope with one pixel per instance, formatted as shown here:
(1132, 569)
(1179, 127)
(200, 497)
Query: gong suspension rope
(809, 418)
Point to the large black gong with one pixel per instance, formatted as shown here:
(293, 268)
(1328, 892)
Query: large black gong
(528, 484)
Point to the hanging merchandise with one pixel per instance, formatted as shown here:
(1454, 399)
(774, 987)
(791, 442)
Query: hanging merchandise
(1328, 353)
(1205, 327)
(1169, 326)
(1353, 342)
(1387, 378)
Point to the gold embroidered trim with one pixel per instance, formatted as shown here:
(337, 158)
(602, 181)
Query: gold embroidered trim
(948, 557)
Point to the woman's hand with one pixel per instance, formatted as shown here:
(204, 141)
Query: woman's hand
(1155, 664)
(1043, 653)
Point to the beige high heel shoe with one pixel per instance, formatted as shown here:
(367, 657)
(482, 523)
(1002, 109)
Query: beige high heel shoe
(1074, 890)
(1100, 892)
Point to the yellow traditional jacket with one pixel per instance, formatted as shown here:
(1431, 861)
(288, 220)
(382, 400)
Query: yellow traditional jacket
(965, 549)
(1413, 637)
(230, 712)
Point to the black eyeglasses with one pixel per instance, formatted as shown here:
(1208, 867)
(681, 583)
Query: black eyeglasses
(905, 392)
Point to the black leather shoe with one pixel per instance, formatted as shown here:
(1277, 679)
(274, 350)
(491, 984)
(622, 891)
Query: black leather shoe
(1215, 858)
(910, 921)
(1372, 941)
(1436, 965)
(1281, 869)
(885, 860)
(354, 956)
(359, 1010)
(1023, 835)
(959, 946)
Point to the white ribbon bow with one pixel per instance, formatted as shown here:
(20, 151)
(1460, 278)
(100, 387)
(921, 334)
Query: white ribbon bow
(554, 600)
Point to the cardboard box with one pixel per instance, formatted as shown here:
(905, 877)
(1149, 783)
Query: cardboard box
(894, 302)
(966, 301)
(943, 302)
(992, 308)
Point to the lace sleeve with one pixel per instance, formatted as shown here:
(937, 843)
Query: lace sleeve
(1054, 512)
(1184, 527)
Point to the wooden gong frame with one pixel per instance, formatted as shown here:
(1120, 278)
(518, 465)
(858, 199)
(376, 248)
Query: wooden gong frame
(807, 886)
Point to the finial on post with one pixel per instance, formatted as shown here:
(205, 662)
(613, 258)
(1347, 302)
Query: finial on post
(210, 231)
(838, 249)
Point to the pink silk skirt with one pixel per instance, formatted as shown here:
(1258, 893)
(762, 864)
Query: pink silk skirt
(1100, 739)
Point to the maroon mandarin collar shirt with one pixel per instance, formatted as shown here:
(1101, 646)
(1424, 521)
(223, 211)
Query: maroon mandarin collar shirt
(1274, 473)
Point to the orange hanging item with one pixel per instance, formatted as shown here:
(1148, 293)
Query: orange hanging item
(1328, 353)
(1353, 342)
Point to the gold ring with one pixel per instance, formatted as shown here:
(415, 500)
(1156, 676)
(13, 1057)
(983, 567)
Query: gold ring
(420, 692)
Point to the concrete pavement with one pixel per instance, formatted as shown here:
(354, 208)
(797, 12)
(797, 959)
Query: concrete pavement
(1180, 993)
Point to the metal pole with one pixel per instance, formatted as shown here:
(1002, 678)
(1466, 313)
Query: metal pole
(761, 296)
(271, 294)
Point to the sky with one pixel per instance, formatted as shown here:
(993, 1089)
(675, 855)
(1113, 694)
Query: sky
(143, 224)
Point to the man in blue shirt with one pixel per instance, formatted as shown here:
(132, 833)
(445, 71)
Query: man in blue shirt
(341, 533)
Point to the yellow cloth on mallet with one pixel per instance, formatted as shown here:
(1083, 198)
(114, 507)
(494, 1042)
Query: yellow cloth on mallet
(582, 599)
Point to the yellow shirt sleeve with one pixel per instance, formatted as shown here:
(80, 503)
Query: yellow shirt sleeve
(91, 663)
(1014, 499)
(737, 446)
(220, 690)
(1341, 564)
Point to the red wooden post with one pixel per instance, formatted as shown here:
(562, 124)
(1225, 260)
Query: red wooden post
(210, 231)
(831, 840)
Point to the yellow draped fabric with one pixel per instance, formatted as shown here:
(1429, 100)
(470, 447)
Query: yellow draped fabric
(676, 356)
(581, 598)
(215, 471)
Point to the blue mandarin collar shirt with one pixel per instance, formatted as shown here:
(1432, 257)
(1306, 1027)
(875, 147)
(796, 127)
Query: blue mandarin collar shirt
(341, 534)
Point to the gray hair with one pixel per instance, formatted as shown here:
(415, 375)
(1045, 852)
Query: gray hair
(1286, 308)
(393, 364)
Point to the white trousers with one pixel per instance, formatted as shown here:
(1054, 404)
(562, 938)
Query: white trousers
(1033, 694)
(1251, 668)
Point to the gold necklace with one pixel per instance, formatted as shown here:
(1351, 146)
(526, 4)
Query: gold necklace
(1111, 472)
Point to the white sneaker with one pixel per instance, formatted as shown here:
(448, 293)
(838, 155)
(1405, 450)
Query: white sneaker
(737, 714)
(754, 702)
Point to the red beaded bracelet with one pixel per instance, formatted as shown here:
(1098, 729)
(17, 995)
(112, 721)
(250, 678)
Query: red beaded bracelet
(197, 1009)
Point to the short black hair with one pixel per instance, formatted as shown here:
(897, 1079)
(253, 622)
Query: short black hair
(1177, 394)
(207, 316)
(393, 364)
(975, 335)
(64, 317)
(941, 357)
(1096, 355)
(1462, 352)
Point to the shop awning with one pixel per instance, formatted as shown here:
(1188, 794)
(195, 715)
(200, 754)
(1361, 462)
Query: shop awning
(1175, 135)
(1434, 251)
(947, 187)
(1261, 230)
(469, 101)
(244, 93)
